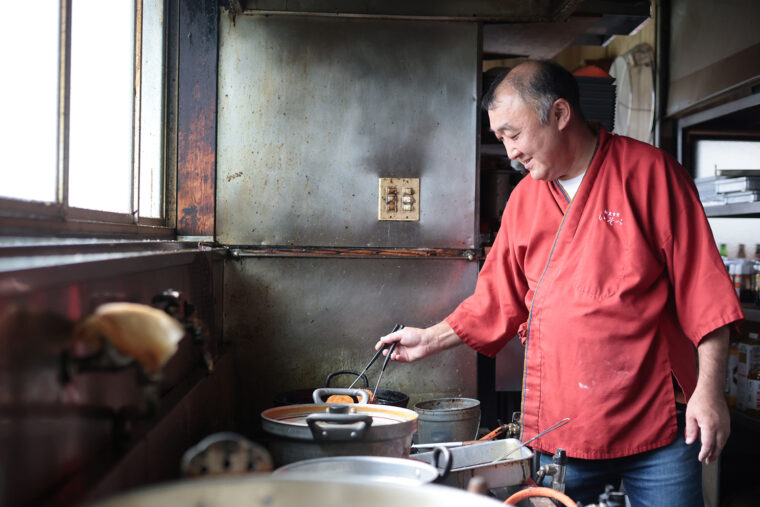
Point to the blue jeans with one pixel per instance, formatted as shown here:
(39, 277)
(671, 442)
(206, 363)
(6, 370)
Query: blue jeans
(670, 476)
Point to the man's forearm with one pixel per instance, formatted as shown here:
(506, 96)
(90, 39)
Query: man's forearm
(442, 337)
(707, 414)
(713, 353)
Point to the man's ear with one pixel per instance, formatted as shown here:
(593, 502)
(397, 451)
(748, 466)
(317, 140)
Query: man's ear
(562, 112)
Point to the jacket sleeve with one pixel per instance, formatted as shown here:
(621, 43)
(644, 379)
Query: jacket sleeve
(491, 316)
(703, 294)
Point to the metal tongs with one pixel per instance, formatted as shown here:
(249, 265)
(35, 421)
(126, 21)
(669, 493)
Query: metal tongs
(374, 358)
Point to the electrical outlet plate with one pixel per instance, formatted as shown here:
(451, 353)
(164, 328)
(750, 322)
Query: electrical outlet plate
(398, 199)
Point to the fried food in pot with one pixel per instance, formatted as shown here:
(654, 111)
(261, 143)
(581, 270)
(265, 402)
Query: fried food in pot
(340, 398)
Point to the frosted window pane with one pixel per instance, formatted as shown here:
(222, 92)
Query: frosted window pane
(100, 135)
(151, 192)
(725, 155)
(29, 100)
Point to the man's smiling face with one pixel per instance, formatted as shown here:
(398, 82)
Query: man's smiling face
(534, 144)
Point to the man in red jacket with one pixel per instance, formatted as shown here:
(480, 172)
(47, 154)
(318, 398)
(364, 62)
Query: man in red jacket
(606, 268)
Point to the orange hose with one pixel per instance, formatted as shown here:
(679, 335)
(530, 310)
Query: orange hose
(495, 433)
(539, 491)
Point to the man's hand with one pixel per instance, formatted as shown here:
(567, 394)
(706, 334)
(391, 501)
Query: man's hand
(707, 414)
(707, 417)
(415, 343)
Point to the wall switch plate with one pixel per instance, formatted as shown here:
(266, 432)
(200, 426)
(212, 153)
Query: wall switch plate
(398, 199)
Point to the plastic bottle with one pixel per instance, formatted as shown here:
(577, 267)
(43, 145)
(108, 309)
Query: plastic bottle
(734, 273)
(723, 250)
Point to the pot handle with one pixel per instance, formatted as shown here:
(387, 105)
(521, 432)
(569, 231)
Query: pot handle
(447, 461)
(352, 426)
(322, 391)
(346, 372)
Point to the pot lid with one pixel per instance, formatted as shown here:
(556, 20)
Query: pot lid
(339, 421)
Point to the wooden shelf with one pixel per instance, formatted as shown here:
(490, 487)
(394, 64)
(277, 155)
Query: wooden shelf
(739, 210)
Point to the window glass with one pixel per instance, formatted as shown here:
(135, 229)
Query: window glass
(101, 105)
(721, 154)
(151, 109)
(29, 100)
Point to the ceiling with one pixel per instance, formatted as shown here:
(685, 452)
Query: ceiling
(511, 28)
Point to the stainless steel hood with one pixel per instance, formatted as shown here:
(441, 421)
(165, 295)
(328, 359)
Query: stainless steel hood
(504, 11)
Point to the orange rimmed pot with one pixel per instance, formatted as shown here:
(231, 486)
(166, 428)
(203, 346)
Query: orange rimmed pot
(310, 431)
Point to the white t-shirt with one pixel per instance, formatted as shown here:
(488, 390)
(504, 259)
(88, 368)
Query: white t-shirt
(571, 185)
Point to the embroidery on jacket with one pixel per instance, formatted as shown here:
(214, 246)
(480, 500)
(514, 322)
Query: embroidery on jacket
(611, 218)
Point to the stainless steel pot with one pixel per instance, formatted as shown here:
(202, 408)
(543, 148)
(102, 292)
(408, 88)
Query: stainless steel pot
(301, 432)
(375, 469)
(482, 459)
(447, 420)
(289, 491)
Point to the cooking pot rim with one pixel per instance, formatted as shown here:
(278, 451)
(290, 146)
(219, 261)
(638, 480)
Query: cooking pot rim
(291, 421)
(304, 409)
(458, 404)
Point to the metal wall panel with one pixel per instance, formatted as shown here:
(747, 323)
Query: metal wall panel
(294, 321)
(714, 47)
(312, 111)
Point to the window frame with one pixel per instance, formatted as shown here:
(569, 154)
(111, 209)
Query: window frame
(20, 217)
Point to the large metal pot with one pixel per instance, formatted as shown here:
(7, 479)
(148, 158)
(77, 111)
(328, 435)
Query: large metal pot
(382, 397)
(303, 432)
(291, 491)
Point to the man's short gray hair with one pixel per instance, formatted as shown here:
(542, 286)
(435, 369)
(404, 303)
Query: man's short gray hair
(539, 88)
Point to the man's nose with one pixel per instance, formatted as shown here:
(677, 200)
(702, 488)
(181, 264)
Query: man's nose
(512, 151)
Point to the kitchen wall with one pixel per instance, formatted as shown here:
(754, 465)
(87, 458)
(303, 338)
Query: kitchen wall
(312, 111)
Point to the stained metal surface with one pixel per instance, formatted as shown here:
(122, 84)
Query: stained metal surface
(196, 123)
(312, 111)
(501, 10)
(294, 321)
(714, 46)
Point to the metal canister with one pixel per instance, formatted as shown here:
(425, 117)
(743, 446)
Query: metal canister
(447, 420)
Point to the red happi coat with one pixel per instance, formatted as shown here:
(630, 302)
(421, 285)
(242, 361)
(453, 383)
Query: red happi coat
(610, 293)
